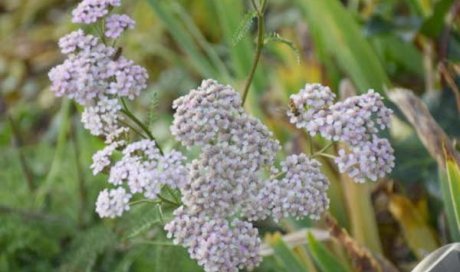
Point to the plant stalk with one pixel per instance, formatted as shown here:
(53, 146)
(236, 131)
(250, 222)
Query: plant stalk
(260, 45)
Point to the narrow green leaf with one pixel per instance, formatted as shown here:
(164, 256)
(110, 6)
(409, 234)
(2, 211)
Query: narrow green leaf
(325, 260)
(244, 27)
(183, 39)
(201, 40)
(394, 50)
(64, 119)
(275, 37)
(422, 7)
(286, 256)
(448, 206)
(453, 179)
(433, 26)
(340, 34)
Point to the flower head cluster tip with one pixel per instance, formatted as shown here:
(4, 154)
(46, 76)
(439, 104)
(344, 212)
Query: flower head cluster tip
(354, 122)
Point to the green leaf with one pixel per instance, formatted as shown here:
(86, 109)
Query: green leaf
(323, 258)
(422, 7)
(394, 50)
(453, 179)
(183, 39)
(433, 26)
(275, 37)
(244, 27)
(336, 30)
(286, 256)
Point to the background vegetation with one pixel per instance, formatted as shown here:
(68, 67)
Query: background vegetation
(47, 193)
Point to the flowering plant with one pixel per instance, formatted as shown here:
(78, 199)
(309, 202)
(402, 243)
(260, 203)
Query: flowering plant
(235, 180)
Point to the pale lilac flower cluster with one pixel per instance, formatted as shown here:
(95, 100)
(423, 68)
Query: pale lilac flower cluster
(226, 181)
(116, 24)
(372, 159)
(354, 121)
(112, 202)
(97, 76)
(301, 192)
(142, 169)
(91, 11)
(217, 244)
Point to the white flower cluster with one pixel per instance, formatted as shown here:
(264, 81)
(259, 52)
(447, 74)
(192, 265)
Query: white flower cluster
(116, 24)
(94, 74)
(97, 76)
(226, 189)
(354, 121)
(217, 244)
(142, 169)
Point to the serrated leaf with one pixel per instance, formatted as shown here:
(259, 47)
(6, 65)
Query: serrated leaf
(323, 258)
(275, 37)
(285, 255)
(243, 28)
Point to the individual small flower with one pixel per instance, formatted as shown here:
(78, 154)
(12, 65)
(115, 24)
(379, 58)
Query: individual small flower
(77, 40)
(370, 160)
(90, 11)
(112, 203)
(116, 24)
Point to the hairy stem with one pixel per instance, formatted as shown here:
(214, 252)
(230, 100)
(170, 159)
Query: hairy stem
(260, 44)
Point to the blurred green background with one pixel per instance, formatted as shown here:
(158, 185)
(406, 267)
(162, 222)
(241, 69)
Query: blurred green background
(47, 192)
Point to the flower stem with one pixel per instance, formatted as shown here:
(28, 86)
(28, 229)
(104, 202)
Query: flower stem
(131, 116)
(260, 44)
(326, 147)
(140, 201)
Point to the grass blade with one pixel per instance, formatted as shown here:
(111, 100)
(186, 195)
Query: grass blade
(183, 39)
(323, 258)
(453, 179)
(285, 255)
(340, 34)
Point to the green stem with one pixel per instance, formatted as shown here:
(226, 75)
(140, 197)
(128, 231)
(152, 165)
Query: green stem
(326, 147)
(133, 129)
(131, 116)
(260, 46)
(325, 155)
(140, 201)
